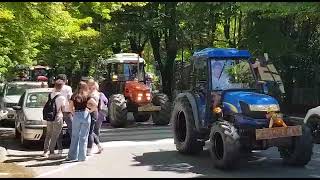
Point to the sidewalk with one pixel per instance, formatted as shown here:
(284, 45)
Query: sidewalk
(12, 170)
(3, 154)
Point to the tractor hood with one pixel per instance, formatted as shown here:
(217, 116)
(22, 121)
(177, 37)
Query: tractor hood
(137, 92)
(232, 99)
(136, 86)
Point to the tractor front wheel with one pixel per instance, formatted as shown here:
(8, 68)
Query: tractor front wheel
(118, 111)
(224, 145)
(161, 117)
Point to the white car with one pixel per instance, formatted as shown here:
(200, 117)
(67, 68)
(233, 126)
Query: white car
(312, 119)
(29, 125)
(11, 94)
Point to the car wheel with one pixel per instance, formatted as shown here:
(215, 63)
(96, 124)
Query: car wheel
(24, 142)
(16, 132)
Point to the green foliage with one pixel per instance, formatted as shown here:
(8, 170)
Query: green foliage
(73, 36)
(240, 73)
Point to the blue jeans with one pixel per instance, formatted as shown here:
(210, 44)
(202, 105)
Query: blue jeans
(80, 132)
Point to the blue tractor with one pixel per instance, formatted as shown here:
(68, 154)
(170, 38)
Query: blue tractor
(220, 99)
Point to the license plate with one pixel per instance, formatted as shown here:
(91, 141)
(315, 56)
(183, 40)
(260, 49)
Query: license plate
(149, 107)
(277, 132)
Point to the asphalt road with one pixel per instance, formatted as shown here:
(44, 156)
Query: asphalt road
(145, 150)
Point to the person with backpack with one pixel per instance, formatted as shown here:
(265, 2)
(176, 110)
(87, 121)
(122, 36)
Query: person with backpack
(67, 93)
(81, 105)
(52, 113)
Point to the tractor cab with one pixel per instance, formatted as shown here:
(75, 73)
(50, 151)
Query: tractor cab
(122, 68)
(39, 73)
(225, 78)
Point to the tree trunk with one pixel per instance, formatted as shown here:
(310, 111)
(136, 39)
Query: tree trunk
(172, 48)
(239, 30)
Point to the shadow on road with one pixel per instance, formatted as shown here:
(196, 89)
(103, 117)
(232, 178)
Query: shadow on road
(202, 165)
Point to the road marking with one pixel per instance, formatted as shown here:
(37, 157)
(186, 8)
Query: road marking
(4, 174)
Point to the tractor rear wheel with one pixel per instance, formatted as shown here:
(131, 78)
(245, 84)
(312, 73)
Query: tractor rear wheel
(184, 130)
(314, 124)
(161, 117)
(118, 111)
(301, 151)
(141, 117)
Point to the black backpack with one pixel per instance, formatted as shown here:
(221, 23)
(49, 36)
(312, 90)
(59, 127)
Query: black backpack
(50, 110)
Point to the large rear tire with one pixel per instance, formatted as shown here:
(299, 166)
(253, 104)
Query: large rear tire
(224, 145)
(161, 117)
(184, 130)
(301, 151)
(141, 117)
(118, 111)
(314, 124)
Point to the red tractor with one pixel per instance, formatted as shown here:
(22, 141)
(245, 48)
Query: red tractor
(39, 73)
(125, 86)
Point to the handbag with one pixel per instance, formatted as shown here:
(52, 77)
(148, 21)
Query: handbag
(103, 109)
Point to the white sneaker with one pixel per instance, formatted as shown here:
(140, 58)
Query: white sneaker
(100, 149)
(45, 154)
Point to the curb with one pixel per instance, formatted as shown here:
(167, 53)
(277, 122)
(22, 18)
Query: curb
(3, 154)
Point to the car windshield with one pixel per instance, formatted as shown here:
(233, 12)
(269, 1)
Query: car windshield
(36, 99)
(18, 89)
(231, 74)
(40, 72)
(128, 71)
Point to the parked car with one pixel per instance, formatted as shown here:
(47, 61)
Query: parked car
(312, 119)
(10, 96)
(29, 124)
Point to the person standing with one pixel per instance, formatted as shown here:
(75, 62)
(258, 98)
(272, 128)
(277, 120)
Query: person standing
(93, 92)
(81, 105)
(102, 114)
(54, 127)
(67, 93)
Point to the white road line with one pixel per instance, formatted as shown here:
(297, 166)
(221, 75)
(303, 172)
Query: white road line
(4, 174)
(111, 144)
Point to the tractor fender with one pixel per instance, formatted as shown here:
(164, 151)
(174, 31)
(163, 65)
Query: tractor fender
(194, 107)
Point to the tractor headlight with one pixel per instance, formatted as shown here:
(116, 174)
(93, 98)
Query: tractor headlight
(140, 94)
(114, 77)
(148, 94)
(267, 107)
(139, 98)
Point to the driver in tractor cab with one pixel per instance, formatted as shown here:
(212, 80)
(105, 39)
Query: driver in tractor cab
(220, 80)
